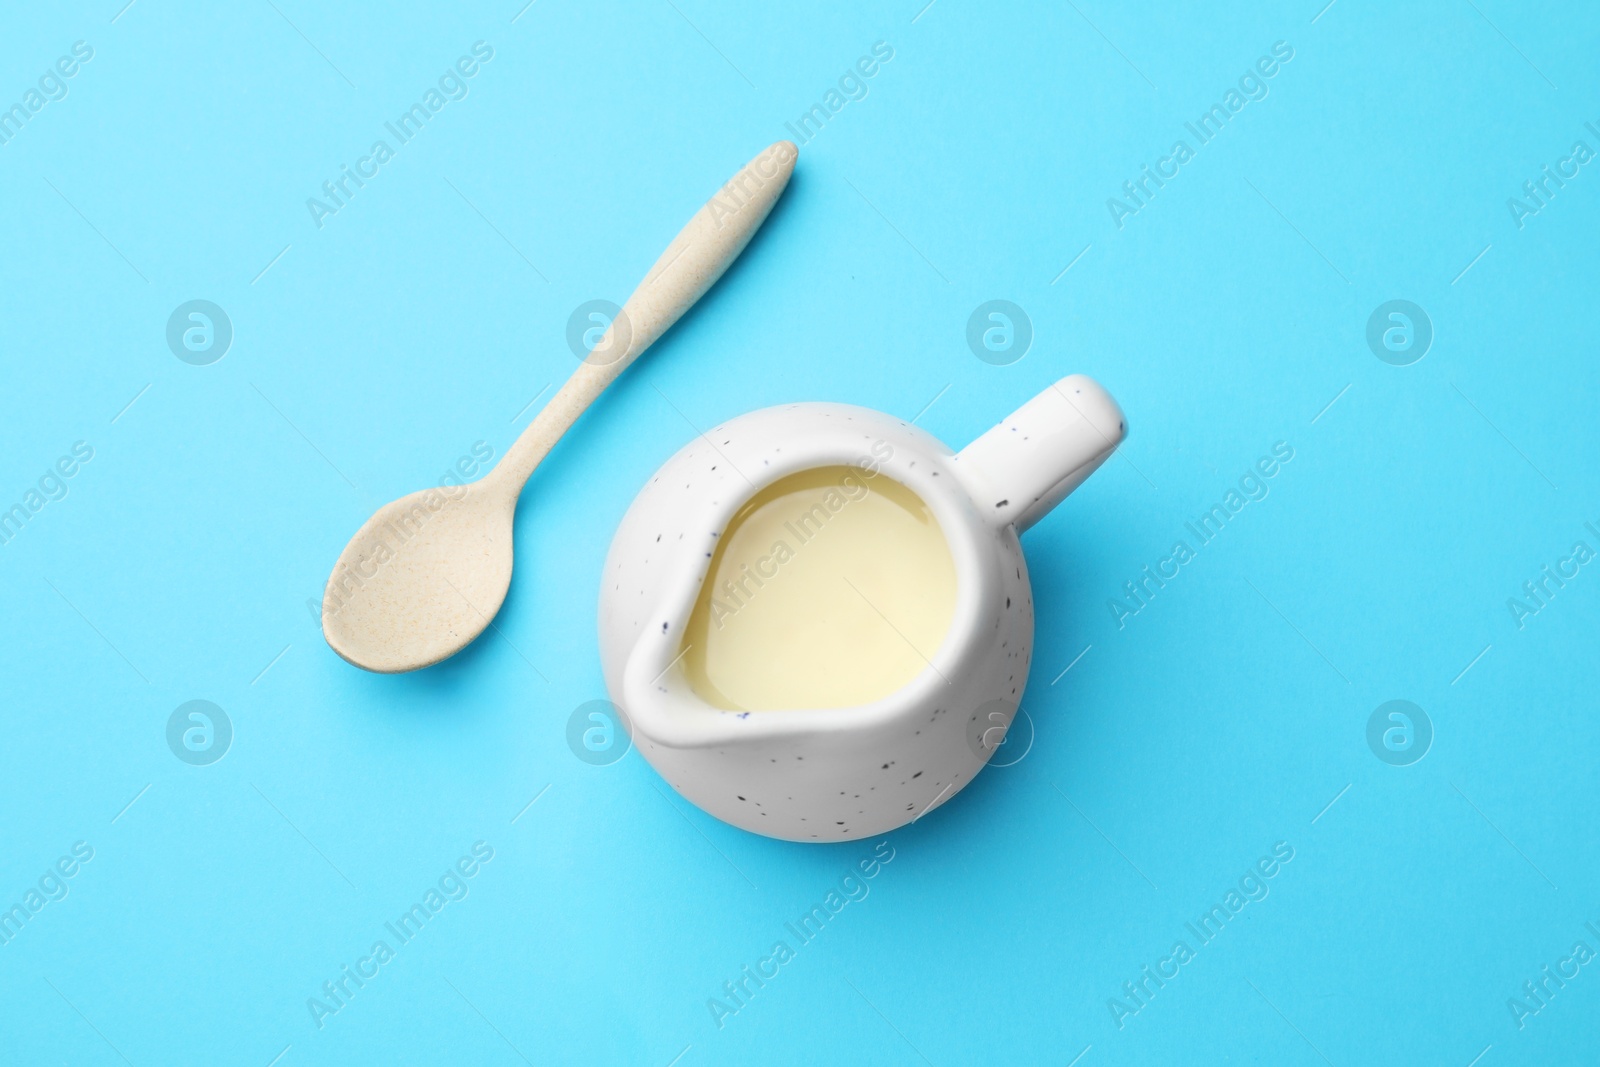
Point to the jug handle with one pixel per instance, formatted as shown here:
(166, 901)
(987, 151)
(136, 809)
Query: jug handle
(1026, 465)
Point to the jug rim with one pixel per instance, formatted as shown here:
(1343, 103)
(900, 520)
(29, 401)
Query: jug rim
(658, 699)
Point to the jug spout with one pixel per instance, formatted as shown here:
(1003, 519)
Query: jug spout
(1020, 469)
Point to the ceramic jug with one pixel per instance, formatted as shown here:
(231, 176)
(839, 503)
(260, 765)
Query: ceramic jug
(807, 774)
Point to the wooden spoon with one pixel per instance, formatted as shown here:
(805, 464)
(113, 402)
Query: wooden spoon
(423, 577)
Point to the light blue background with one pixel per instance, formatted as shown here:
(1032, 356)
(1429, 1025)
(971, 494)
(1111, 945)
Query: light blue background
(1220, 720)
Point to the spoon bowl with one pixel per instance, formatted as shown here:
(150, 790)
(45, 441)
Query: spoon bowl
(421, 579)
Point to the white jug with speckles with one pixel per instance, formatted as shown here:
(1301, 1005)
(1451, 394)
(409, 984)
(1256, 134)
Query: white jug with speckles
(844, 773)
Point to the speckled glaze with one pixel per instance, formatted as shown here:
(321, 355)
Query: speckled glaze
(838, 774)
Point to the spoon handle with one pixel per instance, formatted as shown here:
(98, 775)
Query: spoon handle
(691, 264)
